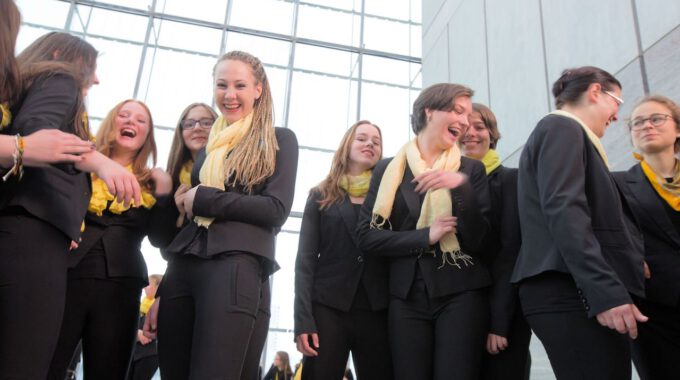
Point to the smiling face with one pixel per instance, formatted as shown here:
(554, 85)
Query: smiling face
(131, 127)
(196, 138)
(235, 89)
(477, 140)
(444, 128)
(366, 148)
(654, 139)
(608, 107)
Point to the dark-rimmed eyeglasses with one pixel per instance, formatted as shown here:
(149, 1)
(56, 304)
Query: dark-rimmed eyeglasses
(655, 119)
(205, 123)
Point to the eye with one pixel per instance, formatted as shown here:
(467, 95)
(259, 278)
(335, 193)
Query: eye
(657, 119)
(221, 85)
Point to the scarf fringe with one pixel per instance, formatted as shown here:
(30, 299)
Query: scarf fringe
(452, 258)
(376, 224)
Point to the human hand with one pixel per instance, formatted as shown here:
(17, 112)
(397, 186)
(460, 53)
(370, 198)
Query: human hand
(623, 319)
(495, 343)
(150, 328)
(49, 146)
(302, 343)
(162, 182)
(441, 227)
(438, 179)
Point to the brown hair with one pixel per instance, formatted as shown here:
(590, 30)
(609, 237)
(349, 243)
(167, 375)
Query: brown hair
(106, 138)
(438, 97)
(489, 120)
(63, 53)
(574, 82)
(179, 153)
(10, 80)
(254, 159)
(672, 107)
(329, 188)
(285, 360)
(155, 279)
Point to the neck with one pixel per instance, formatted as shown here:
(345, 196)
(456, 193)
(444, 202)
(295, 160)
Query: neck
(663, 163)
(193, 155)
(582, 114)
(354, 169)
(429, 151)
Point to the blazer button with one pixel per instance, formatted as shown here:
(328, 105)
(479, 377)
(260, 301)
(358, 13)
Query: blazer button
(360, 259)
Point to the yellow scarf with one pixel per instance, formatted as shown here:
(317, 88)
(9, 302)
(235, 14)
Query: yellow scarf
(222, 139)
(436, 203)
(670, 192)
(6, 115)
(145, 305)
(491, 161)
(356, 185)
(185, 173)
(101, 197)
(591, 135)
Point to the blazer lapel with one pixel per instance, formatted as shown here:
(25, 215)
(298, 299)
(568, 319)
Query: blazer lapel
(406, 188)
(347, 212)
(651, 203)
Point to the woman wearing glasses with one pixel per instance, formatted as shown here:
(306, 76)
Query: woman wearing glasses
(581, 255)
(652, 189)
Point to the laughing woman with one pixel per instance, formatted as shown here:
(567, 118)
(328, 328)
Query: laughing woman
(652, 190)
(107, 270)
(217, 265)
(341, 295)
(427, 212)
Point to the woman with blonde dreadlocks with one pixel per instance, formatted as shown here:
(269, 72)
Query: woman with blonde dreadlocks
(243, 192)
(426, 211)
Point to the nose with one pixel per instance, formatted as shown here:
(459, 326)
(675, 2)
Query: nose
(95, 79)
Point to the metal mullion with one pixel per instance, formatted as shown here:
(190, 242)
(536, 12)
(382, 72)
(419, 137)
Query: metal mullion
(142, 59)
(360, 75)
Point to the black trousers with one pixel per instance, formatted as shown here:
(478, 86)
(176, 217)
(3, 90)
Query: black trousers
(656, 351)
(513, 363)
(207, 316)
(33, 266)
(438, 338)
(363, 332)
(251, 364)
(143, 368)
(104, 314)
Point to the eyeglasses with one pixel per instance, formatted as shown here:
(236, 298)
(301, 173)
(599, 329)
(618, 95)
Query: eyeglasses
(618, 100)
(191, 123)
(655, 119)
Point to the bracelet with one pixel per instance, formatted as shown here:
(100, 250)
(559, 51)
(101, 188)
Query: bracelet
(18, 156)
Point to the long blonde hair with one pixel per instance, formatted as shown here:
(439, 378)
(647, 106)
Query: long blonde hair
(329, 188)
(254, 159)
(10, 80)
(106, 138)
(179, 153)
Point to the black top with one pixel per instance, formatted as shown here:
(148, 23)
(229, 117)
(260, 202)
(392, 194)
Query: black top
(330, 269)
(243, 222)
(572, 218)
(659, 224)
(406, 247)
(58, 194)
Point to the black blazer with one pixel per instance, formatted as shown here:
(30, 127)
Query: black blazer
(572, 217)
(406, 246)
(245, 222)
(329, 265)
(662, 240)
(504, 244)
(58, 194)
(122, 237)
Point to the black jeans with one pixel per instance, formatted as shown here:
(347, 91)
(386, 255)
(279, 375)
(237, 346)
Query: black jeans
(656, 351)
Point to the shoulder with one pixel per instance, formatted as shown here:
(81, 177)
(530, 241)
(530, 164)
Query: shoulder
(285, 135)
(59, 81)
(558, 125)
(471, 166)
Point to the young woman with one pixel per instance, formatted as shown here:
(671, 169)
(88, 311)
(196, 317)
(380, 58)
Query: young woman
(280, 370)
(581, 254)
(427, 212)
(651, 190)
(507, 343)
(218, 262)
(107, 271)
(341, 296)
(48, 202)
(144, 362)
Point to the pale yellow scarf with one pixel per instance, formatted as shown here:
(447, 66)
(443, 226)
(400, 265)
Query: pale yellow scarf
(6, 116)
(356, 185)
(491, 161)
(668, 191)
(222, 139)
(437, 203)
(591, 135)
(101, 198)
(185, 173)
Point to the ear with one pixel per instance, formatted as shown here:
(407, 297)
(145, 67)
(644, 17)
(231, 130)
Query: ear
(258, 90)
(428, 114)
(594, 92)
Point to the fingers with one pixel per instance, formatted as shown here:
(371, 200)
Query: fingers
(491, 345)
(67, 157)
(630, 324)
(646, 270)
(638, 314)
(501, 343)
(302, 343)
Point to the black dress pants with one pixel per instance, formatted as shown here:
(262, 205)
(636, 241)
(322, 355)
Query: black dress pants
(104, 314)
(143, 368)
(656, 351)
(33, 267)
(251, 364)
(207, 315)
(438, 338)
(513, 363)
(363, 332)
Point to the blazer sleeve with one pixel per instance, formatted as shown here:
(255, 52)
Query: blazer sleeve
(162, 226)
(270, 207)
(387, 242)
(560, 163)
(472, 207)
(305, 265)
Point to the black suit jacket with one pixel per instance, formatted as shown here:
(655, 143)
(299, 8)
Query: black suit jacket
(329, 265)
(504, 244)
(662, 240)
(406, 246)
(572, 218)
(57, 194)
(245, 222)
